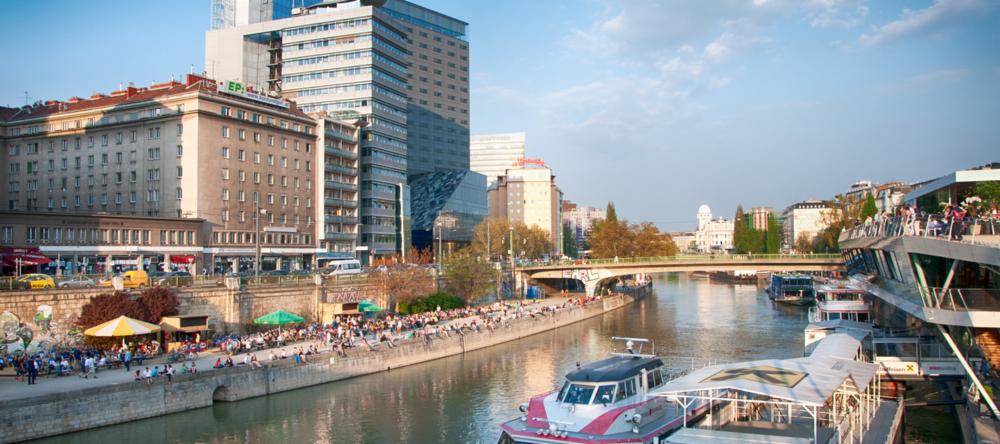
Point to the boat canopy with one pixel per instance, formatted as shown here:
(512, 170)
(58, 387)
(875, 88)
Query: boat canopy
(809, 381)
(615, 368)
(838, 289)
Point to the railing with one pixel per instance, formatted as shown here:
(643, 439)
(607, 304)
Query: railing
(103, 281)
(964, 299)
(682, 258)
(930, 226)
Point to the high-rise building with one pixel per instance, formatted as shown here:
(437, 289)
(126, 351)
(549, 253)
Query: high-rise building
(492, 154)
(529, 195)
(230, 13)
(197, 149)
(580, 220)
(759, 216)
(337, 191)
(399, 67)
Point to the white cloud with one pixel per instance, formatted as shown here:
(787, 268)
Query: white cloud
(837, 13)
(719, 82)
(932, 18)
(938, 77)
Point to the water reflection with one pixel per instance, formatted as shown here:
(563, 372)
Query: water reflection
(463, 398)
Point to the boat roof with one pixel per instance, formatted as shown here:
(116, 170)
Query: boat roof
(792, 275)
(811, 380)
(838, 289)
(615, 368)
(839, 324)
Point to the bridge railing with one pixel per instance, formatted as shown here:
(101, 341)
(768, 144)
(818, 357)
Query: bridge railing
(685, 257)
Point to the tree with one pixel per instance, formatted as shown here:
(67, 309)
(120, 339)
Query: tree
(492, 233)
(989, 192)
(403, 284)
(741, 242)
(650, 242)
(569, 242)
(467, 276)
(107, 306)
(612, 215)
(804, 244)
(158, 302)
(610, 238)
(772, 239)
(869, 209)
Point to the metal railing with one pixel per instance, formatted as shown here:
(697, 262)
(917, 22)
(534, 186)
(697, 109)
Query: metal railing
(964, 299)
(930, 226)
(104, 281)
(683, 258)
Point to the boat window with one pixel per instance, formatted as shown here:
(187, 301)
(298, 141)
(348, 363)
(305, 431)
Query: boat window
(653, 379)
(562, 391)
(579, 394)
(605, 394)
(626, 388)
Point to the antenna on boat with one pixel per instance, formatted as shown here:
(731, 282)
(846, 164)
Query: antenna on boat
(630, 347)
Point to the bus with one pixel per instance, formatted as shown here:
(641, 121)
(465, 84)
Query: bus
(341, 267)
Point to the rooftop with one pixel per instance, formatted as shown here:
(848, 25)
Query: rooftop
(615, 368)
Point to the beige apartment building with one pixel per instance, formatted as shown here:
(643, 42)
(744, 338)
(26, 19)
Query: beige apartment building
(337, 198)
(196, 149)
(529, 195)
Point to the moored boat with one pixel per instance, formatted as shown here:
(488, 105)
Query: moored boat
(606, 401)
(792, 289)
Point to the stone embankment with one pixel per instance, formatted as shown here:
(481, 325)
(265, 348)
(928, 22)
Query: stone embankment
(58, 413)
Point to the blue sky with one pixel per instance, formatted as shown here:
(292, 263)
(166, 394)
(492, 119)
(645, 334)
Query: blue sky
(657, 105)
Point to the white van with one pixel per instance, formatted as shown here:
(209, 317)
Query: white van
(343, 267)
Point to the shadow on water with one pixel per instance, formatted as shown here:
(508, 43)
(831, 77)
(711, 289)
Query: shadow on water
(463, 398)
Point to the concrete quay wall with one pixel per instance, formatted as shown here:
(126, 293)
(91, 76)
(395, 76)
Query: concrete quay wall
(54, 414)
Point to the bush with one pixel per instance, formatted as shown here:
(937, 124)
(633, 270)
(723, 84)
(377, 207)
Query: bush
(431, 303)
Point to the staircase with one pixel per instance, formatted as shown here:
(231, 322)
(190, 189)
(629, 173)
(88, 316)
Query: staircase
(989, 342)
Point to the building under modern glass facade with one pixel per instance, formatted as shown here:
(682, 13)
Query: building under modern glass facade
(446, 207)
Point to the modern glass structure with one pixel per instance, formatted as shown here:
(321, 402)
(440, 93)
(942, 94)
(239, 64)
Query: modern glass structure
(230, 13)
(447, 206)
(492, 154)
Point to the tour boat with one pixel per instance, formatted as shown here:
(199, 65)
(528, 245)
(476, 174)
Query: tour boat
(606, 401)
(839, 302)
(794, 289)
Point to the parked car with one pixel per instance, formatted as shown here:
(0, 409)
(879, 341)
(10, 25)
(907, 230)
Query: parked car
(130, 279)
(78, 281)
(172, 279)
(33, 281)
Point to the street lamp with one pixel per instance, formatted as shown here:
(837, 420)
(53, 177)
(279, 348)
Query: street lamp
(256, 267)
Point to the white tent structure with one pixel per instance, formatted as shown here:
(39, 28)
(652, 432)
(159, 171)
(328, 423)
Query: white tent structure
(828, 396)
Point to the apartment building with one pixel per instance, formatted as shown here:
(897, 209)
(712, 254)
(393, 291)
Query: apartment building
(175, 150)
(492, 154)
(529, 195)
(337, 198)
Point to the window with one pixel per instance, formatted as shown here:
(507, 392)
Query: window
(225, 132)
(270, 159)
(132, 137)
(243, 176)
(179, 193)
(154, 154)
(225, 111)
(225, 194)
(242, 155)
(133, 176)
(256, 157)
(284, 162)
(225, 152)
(242, 134)
(153, 174)
(180, 151)
(180, 172)
(256, 177)
(240, 196)
(270, 140)
(153, 195)
(180, 129)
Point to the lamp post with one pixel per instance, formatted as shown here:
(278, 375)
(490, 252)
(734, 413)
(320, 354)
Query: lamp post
(256, 267)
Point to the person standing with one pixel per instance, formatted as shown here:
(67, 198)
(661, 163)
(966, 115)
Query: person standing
(127, 360)
(32, 371)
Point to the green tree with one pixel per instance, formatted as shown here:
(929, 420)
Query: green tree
(612, 215)
(465, 274)
(569, 242)
(772, 242)
(869, 209)
(741, 241)
(989, 192)
(493, 233)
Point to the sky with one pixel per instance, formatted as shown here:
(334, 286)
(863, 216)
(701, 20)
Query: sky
(659, 106)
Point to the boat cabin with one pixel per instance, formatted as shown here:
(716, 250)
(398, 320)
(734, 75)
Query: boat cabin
(840, 302)
(792, 288)
(611, 380)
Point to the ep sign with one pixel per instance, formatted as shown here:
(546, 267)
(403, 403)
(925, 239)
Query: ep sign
(233, 87)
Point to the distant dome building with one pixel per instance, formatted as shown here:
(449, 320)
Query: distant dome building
(713, 235)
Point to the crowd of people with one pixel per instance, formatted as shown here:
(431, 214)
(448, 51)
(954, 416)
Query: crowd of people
(297, 343)
(954, 222)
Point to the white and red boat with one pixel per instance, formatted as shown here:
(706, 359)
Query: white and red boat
(606, 401)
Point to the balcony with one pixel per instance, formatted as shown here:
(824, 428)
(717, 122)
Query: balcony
(341, 219)
(342, 153)
(341, 136)
(335, 185)
(334, 168)
(331, 202)
(332, 235)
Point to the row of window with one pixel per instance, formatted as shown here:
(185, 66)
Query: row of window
(92, 121)
(283, 199)
(241, 155)
(244, 217)
(249, 238)
(31, 148)
(101, 236)
(31, 203)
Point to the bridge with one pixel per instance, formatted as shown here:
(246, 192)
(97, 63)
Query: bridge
(593, 272)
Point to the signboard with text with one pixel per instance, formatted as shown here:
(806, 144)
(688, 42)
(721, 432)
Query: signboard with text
(237, 89)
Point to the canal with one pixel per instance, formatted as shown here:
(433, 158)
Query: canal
(463, 398)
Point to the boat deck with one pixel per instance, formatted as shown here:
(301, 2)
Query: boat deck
(672, 420)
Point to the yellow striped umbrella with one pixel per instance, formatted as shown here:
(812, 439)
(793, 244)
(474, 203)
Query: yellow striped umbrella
(122, 326)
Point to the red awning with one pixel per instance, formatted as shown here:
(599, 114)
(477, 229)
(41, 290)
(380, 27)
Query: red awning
(182, 259)
(24, 260)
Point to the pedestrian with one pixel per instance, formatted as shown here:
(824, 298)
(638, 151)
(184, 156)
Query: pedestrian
(32, 371)
(148, 376)
(127, 360)
(194, 367)
(169, 371)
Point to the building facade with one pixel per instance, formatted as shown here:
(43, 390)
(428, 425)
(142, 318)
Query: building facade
(492, 154)
(401, 68)
(231, 13)
(529, 195)
(446, 207)
(192, 149)
(759, 216)
(713, 235)
(337, 198)
(580, 220)
(804, 219)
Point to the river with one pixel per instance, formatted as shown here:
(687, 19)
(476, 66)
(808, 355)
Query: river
(462, 399)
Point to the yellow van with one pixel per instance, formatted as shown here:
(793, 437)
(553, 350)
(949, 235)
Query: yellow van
(131, 279)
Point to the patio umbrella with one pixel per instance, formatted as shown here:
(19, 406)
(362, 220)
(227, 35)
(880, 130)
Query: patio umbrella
(279, 317)
(122, 326)
(367, 306)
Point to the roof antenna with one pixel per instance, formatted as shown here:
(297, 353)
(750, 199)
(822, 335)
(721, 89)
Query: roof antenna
(191, 69)
(27, 99)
